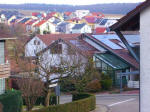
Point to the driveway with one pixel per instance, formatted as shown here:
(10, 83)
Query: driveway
(114, 102)
(119, 103)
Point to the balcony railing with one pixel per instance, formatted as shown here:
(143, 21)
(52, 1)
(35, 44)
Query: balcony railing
(4, 70)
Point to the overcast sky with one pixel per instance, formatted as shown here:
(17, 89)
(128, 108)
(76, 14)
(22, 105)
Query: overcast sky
(72, 2)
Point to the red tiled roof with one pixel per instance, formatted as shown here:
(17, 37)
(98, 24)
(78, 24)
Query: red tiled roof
(99, 14)
(31, 22)
(35, 13)
(124, 54)
(67, 13)
(40, 23)
(84, 48)
(100, 30)
(51, 14)
(49, 38)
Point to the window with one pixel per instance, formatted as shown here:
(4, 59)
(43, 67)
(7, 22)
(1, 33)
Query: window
(2, 85)
(56, 49)
(35, 42)
(38, 43)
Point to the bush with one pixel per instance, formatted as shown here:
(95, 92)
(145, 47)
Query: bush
(67, 85)
(82, 105)
(106, 84)
(93, 86)
(41, 100)
(79, 96)
(11, 101)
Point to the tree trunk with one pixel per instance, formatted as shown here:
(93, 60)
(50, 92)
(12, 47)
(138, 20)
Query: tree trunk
(1, 107)
(47, 98)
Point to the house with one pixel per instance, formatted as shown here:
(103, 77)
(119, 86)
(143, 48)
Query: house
(7, 16)
(81, 28)
(75, 20)
(90, 20)
(97, 14)
(66, 48)
(30, 26)
(81, 13)
(67, 15)
(25, 20)
(137, 20)
(40, 42)
(114, 57)
(4, 64)
(106, 22)
(45, 26)
(64, 27)
(108, 52)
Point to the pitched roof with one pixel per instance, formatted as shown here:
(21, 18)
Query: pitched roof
(76, 44)
(99, 14)
(118, 51)
(79, 26)
(127, 21)
(49, 38)
(112, 60)
(40, 23)
(31, 22)
(90, 19)
(67, 13)
(100, 30)
(24, 20)
(62, 24)
(103, 22)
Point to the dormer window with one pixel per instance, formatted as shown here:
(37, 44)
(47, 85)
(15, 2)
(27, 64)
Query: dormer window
(35, 42)
(38, 43)
(56, 49)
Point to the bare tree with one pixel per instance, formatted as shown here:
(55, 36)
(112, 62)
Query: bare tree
(55, 63)
(31, 89)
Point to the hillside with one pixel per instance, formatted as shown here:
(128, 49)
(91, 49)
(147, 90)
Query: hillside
(115, 8)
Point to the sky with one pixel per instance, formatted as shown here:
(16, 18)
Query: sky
(69, 2)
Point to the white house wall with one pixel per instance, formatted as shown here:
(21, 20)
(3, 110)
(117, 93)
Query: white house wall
(145, 60)
(54, 60)
(86, 29)
(31, 49)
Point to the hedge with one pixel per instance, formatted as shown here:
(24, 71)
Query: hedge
(11, 101)
(76, 96)
(82, 105)
(41, 100)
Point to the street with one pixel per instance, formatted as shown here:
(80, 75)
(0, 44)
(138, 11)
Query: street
(114, 102)
(119, 103)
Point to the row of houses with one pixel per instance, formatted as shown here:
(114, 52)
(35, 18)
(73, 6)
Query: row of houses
(80, 21)
(107, 51)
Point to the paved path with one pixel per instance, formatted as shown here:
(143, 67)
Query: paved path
(65, 99)
(119, 103)
(125, 102)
